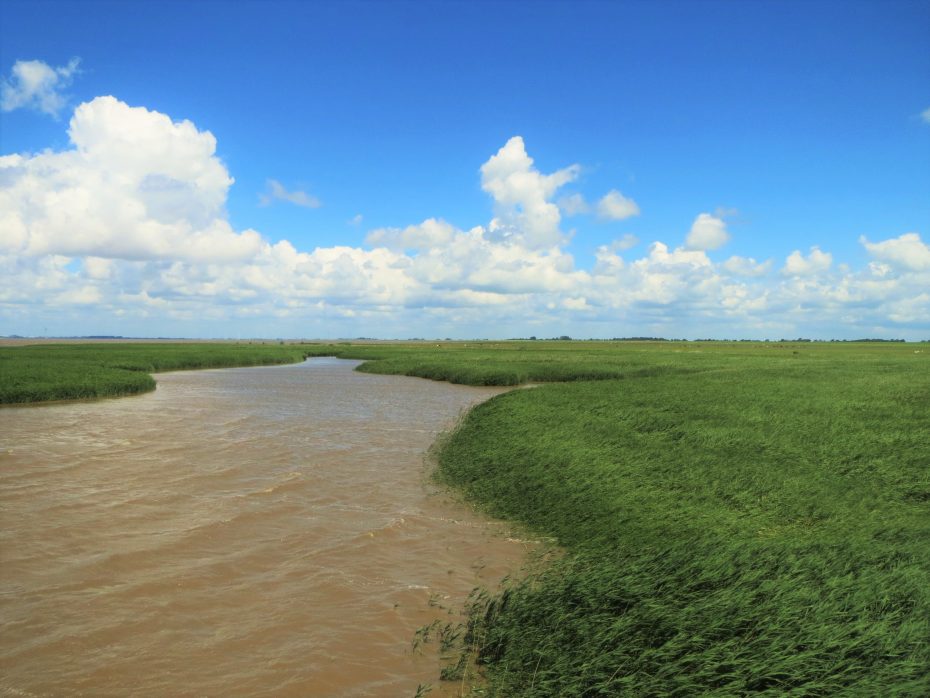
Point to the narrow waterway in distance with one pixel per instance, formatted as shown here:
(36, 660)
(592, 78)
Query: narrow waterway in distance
(238, 532)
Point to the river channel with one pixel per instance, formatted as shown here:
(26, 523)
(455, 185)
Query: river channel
(238, 532)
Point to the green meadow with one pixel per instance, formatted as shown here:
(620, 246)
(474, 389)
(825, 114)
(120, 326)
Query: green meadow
(734, 518)
(758, 525)
(45, 372)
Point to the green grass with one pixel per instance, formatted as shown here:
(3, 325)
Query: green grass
(38, 373)
(759, 524)
(515, 363)
(735, 518)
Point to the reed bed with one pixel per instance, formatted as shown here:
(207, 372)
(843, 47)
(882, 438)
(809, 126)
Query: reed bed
(735, 518)
(743, 528)
(41, 373)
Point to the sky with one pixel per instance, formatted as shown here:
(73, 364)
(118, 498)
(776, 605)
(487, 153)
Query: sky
(696, 169)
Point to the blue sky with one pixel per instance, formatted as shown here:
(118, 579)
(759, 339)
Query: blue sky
(720, 132)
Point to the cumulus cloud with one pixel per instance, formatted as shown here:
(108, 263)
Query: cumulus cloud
(275, 191)
(659, 254)
(136, 185)
(615, 206)
(745, 266)
(37, 85)
(98, 268)
(907, 251)
(474, 260)
(428, 234)
(816, 262)
(129, 223)
(580, 303)
(573, 205)
(708, 232)
(522, 196)
(626, 242)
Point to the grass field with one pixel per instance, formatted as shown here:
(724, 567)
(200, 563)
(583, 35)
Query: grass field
(736, 518)
(38, 373)
(758, 526)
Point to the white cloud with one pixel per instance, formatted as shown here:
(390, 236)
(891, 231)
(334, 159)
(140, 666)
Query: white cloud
(275, 191)
(659, 254)
(608, 264)
(37, 85)
(580, 303)
(98, 268)
(745, 266)
(627, 242)
(615, 206)
(81, 295)
(522, 196)
(905, 252)
(573, 205)
(925, 115)
(707, 232)
(129, 225)
(473, 260)
(356, 219)
(428, 234)
(816, 262)
(136, 185)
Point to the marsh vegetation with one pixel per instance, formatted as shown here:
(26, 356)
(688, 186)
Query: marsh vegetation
(737, 517)
(45, 372)
(744, 528)
(747, 517)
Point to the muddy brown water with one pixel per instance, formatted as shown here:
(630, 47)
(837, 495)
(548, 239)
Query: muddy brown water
(238, 532)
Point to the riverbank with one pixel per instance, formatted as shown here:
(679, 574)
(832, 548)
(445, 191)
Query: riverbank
(754, 526)
(75, 371)
(738, 517)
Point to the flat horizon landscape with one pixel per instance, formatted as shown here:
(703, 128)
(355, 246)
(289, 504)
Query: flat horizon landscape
(735, 517)
(664, 265)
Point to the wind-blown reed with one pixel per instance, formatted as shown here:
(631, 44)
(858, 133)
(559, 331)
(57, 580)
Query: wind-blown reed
(38, 373)
(736, 518)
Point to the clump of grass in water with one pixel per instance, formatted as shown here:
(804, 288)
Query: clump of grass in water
(455, 653)
(424, 635)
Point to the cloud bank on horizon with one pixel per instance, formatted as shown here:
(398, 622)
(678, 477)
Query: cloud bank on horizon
(128, 226)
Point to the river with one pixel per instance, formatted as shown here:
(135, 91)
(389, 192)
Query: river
(238, 532)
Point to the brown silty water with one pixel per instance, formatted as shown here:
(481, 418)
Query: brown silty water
(239, 532)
